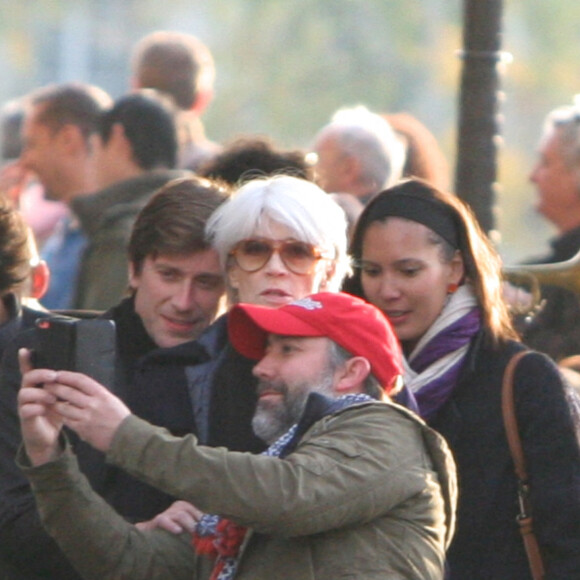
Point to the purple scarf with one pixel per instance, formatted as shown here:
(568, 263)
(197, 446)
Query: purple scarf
(434, 394)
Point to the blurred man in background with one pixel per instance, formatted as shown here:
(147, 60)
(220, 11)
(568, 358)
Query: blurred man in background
(254, 156)
(135, 154)
(182, 66)
(555, 330)
(22, 186)
(556, 176)
(358, 153)
(59, 142)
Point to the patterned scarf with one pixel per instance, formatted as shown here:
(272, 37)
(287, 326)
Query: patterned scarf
(221, 538)
(433, 366)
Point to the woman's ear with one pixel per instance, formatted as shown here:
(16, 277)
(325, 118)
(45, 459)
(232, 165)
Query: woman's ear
(457, 268)
(232, 276)
(327, 274)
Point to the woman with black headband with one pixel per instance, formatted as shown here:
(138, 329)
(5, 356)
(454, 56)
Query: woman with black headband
(422, 259)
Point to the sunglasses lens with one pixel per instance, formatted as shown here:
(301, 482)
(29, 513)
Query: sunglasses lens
(252, 255)
(298, 256)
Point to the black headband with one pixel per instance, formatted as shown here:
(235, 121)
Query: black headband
(429, 212)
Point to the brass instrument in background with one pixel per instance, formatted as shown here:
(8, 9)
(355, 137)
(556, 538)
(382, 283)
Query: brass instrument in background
(562, 274)
(530, 276)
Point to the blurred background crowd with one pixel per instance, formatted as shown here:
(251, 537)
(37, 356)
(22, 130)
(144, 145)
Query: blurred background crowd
(284, 67)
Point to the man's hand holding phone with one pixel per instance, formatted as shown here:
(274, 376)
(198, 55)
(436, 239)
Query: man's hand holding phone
(39, 420)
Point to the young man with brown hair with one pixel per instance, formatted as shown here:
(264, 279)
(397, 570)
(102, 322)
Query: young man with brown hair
(176, 291)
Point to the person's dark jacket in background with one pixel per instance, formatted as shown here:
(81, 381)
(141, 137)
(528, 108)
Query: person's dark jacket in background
(20, 318)
(223, 391)
(155, 388)
(555, 329)
(107, 217)
(487, 544)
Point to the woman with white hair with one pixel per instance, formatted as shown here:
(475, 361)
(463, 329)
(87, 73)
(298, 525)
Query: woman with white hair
(279, 239)
(295, 213)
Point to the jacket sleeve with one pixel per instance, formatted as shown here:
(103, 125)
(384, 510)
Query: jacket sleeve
(549, 428)
(350, 468)
(99, 543)
(24, 544)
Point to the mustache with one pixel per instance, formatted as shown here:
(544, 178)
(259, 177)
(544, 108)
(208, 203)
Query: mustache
(271, 386)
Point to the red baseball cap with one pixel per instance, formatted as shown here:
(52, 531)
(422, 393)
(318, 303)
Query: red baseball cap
(352, 323)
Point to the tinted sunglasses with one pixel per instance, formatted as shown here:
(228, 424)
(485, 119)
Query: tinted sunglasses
(253, 254)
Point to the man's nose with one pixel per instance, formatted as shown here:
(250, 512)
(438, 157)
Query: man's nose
(184, 297)
(263, 369)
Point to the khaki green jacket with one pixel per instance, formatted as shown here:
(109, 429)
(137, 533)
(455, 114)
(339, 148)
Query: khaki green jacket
(368, 493)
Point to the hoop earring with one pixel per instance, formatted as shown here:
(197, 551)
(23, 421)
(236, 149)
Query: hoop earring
(452, 288)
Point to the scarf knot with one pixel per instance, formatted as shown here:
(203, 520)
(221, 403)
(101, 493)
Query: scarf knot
(433, 367)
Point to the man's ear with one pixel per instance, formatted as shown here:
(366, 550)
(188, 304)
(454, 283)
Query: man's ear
(202, 101)
(133, 276)
(351, 375)
(119, 140)
(40, 279)
(351, 166)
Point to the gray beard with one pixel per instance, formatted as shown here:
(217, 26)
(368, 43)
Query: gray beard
(271, 421)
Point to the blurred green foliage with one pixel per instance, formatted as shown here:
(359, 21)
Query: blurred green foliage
(284, 66)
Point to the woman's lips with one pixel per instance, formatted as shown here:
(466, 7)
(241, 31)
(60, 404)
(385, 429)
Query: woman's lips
(276, 296)
(397, 316)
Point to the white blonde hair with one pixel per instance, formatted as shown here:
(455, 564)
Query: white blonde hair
(299, 205)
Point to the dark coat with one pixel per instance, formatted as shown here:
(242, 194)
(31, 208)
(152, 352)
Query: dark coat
(225, 389)
(555, 330)
(20, 318)
(487, 544)
(151, 382)
(563, 248)
(155, 390)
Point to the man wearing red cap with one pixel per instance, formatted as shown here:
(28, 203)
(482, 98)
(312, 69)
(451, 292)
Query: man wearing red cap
(350, 485)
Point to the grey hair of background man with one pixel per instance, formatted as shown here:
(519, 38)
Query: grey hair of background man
(369, 138)
(565, 122)
(308, 212)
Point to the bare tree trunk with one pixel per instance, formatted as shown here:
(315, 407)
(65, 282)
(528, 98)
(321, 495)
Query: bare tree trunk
(476, 168)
